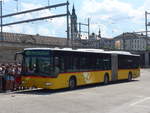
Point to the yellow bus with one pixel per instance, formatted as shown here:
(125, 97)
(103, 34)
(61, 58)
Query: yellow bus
(54, 68)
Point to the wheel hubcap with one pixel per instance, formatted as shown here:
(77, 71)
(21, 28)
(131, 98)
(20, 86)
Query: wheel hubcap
(72, 84)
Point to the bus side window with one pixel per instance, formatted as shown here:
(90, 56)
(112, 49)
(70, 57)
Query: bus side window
(94, 62)
(82, 63)
(75, 63)
(62, 64)
(90, 62)
(56, 65)
(59, 63)
(99, 62)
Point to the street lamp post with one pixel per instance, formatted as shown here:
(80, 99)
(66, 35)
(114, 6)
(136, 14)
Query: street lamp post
(146, 23)
(1, 21)
(68, 14)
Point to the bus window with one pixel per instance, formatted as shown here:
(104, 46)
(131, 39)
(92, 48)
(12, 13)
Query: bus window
(83, 62)
(76, 63)
(62, 64)
(99, 62)
(30, 63)
(106, 62)
(127, 62)
(38, 65)
(44, 65)
(56, 65)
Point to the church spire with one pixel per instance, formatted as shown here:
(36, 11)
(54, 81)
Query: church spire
(73, 18)
(73, 10)
(99, 33)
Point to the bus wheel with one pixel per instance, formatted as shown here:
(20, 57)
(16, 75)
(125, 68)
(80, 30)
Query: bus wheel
(129, 77)
(72, 83)
(106, 79)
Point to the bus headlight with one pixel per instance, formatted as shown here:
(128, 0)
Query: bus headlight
(48, 84)
(23, 82)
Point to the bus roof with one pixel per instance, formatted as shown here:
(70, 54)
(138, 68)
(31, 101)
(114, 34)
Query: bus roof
(84, 50)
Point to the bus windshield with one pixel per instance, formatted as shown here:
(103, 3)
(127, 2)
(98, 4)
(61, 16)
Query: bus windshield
(37, 64)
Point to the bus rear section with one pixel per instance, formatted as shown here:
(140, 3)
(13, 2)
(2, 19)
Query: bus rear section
(128, 66)
(125, 66)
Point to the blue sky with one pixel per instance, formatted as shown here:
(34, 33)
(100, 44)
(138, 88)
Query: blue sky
(113, 17)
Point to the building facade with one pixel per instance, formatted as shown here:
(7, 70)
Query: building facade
(134, 43)
(106, 43)
(131, 42)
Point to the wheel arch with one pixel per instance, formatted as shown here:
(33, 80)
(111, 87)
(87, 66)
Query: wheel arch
(130, 72)
(73, 77)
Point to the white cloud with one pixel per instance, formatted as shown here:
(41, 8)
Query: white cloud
(6, 0)
(116, 12)
(45, 27)
(43, 31)
(21, 28)
(146, 5)
(59, 22)
(28, 6)
(93, 6)
(113, 16)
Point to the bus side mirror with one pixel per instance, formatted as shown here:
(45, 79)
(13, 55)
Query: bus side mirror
(15, 57)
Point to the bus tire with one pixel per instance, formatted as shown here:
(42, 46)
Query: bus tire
(72, 83)
(130, 77)
(106, 79)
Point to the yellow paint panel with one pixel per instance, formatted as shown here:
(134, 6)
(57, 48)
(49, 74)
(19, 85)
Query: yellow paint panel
(123, 73)
(82, 78)
(62, 80)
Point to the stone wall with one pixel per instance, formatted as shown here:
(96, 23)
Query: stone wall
(7, 54)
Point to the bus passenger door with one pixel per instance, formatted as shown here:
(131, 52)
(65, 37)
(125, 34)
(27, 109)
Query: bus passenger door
(114, 66)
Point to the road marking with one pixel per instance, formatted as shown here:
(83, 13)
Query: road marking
(140, 101)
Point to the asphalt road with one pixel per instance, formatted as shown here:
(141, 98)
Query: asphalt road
(121, 97)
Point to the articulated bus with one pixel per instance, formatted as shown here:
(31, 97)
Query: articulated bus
(54, 68)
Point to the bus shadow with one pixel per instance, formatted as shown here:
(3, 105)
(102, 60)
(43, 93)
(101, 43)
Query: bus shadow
(49, 91)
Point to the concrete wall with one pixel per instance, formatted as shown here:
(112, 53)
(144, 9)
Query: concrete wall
(7, 54)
